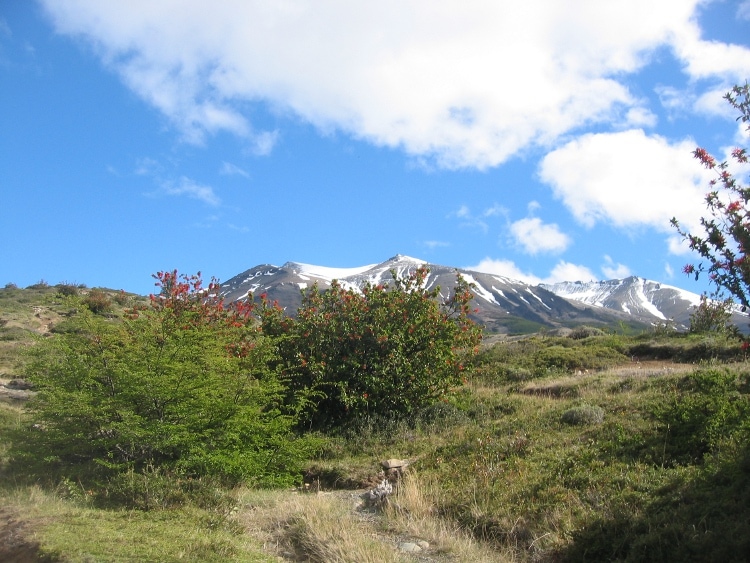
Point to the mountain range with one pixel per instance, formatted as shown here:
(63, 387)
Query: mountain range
(503, 305)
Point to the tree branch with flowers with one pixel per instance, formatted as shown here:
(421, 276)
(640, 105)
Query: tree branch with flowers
(725, 240)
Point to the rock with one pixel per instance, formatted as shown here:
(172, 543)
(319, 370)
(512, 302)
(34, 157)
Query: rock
(379, 495)
(394, 464)
(394, 468)
(19, 385)
(409, 547)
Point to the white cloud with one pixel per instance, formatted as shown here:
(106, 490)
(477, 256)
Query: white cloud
(262, 143)
(628, 179)
(565, 271)
(678, 245)
(743, 10)
(463, 212)
(5, 28)
(712, 103)
(229, 169)
(506, 268)
(466, 84)
(189, 188)
(668, 270)
(673, 99)
(709, 59)
(534, 236)
(614, 271)
(147, 167)
(470, 220)
(494, 211)
(562, 271)
(640, 117)
(433, 244)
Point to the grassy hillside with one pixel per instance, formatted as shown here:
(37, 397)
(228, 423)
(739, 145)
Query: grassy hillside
(596, 446)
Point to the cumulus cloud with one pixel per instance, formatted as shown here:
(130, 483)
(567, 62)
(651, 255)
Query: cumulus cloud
(709, 59)
(467, 84)
(535, 237)
(628, 179)
(614, 271)
(562, 271)
(565, 271)
(505, 268)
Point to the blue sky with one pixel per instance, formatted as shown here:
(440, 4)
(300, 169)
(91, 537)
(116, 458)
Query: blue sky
(544, 141)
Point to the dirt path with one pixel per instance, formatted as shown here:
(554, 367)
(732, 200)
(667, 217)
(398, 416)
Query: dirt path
(15, 543)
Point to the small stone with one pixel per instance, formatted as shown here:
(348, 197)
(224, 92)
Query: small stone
(394, 463)
(423, 544)
(409, 547)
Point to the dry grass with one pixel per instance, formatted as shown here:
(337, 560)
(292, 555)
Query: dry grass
(335, 527)
(413, 513)
(315, 527)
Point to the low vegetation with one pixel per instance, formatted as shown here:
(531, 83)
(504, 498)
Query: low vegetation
(593, 446)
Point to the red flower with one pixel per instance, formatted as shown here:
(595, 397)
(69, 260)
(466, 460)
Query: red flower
(706, 159)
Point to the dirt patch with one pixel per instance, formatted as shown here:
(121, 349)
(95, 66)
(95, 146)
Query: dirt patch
(13, 392)
(15, 543)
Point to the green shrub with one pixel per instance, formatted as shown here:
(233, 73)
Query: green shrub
(690, 348)
(67, 289)
(179, 389)
(384, 351)
(712, 316)
(98, 301)
(696, 516)
(705, 409)
(13, 333)
(582, 415)
(559, 358)
(41, 284)
(582, 332)
(121, 298)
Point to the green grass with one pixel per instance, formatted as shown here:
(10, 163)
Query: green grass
(604, 447)
(72, 532)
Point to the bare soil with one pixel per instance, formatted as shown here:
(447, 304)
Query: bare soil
(16, 540)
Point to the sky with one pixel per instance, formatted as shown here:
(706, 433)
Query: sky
(542, 140)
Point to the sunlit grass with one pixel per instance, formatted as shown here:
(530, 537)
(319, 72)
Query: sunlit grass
(497, 473)
(63, 528)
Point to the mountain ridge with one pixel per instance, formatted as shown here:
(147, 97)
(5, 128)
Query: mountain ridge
(503, 304)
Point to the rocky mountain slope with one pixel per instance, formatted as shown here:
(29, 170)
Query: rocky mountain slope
(504, 304)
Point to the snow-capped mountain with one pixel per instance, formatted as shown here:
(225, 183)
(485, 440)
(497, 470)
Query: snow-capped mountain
(633, 295)
(504, 305)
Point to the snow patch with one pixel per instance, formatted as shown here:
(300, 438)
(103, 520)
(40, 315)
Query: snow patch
(481, 291)
(326, 273)
(535, 296)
